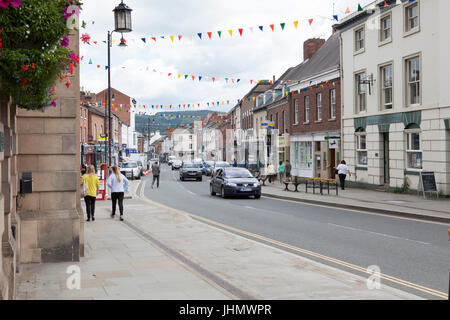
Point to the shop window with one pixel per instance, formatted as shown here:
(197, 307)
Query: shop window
(361, 149)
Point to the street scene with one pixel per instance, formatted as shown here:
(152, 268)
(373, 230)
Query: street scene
(273, 156)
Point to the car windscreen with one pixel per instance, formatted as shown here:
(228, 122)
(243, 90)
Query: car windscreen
(244, 173)
(126, 165)
(191, 165)
(222, 164)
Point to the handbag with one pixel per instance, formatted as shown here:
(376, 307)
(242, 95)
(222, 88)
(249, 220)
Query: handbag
(336, 171)
(84, 190)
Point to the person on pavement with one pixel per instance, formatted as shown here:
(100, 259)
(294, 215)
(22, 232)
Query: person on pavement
(235, 163)
(281, 171)
(92, 183)
(271, 172)
(117, 183)
(287, 170)
(343, 170)
(156, 171)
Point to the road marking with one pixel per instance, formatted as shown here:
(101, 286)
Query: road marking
(357, 211)
(405, 283)
(377, 233)
(248, 207)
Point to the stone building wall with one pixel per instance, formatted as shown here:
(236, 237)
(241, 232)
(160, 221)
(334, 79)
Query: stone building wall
(50, 218)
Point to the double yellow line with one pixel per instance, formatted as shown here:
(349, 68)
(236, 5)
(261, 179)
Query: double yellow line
(405, 283)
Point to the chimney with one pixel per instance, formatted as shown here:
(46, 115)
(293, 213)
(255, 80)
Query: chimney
(311, 46)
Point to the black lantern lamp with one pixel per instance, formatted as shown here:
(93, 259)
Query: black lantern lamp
(122, 18)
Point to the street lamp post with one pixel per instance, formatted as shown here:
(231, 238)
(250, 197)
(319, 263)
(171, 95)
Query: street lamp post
(122, 23)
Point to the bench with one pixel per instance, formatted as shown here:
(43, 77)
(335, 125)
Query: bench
(287, 183)
(263, 178)
(320, 183)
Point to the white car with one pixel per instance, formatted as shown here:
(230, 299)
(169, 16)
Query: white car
(131, 170)
(171, 159)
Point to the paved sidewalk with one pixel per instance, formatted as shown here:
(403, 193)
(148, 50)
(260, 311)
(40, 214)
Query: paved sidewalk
(162, 253)
(408, 205)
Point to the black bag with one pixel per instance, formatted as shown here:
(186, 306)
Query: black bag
(336, 171)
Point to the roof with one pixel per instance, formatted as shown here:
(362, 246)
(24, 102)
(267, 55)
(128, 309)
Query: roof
(274, 97)
(327, 58)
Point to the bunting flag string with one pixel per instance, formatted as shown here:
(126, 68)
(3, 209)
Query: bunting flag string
(177, 75)
(145, 109)
(199, 35)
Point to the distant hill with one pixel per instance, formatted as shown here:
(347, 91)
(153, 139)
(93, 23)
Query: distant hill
(164, 120)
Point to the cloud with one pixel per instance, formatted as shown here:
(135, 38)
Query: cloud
(258, 55)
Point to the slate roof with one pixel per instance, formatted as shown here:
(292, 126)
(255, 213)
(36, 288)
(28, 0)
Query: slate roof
(327, 58)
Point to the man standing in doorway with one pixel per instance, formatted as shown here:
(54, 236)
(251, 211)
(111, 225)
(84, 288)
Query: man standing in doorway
(155, 172)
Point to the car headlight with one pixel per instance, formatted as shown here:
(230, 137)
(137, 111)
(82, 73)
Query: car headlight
(256, 184)
(231, 184)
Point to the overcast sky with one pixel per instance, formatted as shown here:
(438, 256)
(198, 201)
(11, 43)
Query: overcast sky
(254, 56)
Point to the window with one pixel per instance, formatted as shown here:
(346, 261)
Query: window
(319, 106)
(284, 122)
(307, 109)
(276, 121)
(95, 132)
(333, 103)
(359, 39)
(412, 17)
(296, 112)
(305, 152)
(413, 81)
(85, 114)
(84, 139)
(190, 146)
(361, 149)
(385, 28)
(360, 92)
(386, 87)
(190, 137)
(81, 113)
(413, 150)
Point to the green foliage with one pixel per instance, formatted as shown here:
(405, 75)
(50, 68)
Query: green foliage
(31, 57)
(404, 188)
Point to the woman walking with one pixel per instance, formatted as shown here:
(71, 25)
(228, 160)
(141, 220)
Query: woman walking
(91, 181)
(342, 170)
(271, 172)
(117, 183)
(281, 171)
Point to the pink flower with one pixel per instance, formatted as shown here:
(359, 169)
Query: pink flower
(4, 4)
(65, 42)
(16, 3)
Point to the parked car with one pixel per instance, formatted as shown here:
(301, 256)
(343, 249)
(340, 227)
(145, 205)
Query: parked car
(190, 170)
(176, 164)
(220, 164)
(171, 159)
(229, 181)
(130, 170)
(208, 168)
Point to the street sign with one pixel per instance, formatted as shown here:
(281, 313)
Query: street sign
(333, 143)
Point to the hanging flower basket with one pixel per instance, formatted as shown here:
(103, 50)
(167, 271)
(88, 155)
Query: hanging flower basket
(34, 50)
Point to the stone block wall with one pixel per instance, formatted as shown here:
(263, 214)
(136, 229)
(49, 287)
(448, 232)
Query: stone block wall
(50, 218)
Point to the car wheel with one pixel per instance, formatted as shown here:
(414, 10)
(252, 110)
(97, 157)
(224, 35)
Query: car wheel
(181, 178)
(200, 179)
(257, 196)
(211, 190)
(222, 192)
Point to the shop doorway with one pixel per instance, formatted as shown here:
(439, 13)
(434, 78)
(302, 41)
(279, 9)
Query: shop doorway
(386, 158)
(332, 162)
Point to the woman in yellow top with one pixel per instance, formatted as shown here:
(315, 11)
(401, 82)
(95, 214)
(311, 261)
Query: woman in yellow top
(92, 186)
